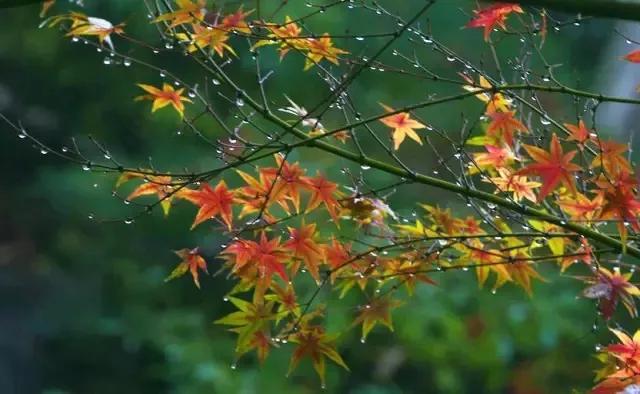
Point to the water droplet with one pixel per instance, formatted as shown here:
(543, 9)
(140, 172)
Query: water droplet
(106, 61)
(451, 59)
(64, 149)
(191, 94)
(234, 366)
(43, 151)
(126, 202)
(239, 102)
(90, 216)
(215, 82)
(128, 221)
(163, 74)
(225, 299)
(363, 340)
(22, 136)
(545, 121)
(126, 62)
(494, 291)
(360, 38)
(168, 45)
(365, 167)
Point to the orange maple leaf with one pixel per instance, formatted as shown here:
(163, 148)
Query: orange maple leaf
(236, 22)
(324, 192)
(192, 262)
(320, 48)
(402, 125)
(503, 126)
(494, 158)
(580, 207)
(161, 186)
(187, 12)
(554, 167)
(610, 157)
(212, 202)
(303, 246)
(633, 57)
(519, 185)
(162, 98)
(579, 133)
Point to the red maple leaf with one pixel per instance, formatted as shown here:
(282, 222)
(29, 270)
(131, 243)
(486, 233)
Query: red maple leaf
(554, 167)
(493, 16)
(212, 202)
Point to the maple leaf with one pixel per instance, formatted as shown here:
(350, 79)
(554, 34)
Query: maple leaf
(554, 167)
(187, 12)
(485, 261)
(303, 246)
(494, 158)
(236, 22)
(285, 181)
(495, 102)
(253, 196)
(622, 365)
(267, 256)
(443, 219)
(203, 38)
(522, 271)
(377, 311)
(408, 267)
(161, 98)
(286, 299)
(320, 48)
(469, 225)
(162, 186)
(417, 230)
(610, 157)
(503, 125)
(555, 244)
(324, 192)
(367, 211)
(250, 322)
(313, 342)
(192, 262)
(284, 35)
(633, 57)
(494, 16)
(580, 207)
(520, 186)
(578, 133)
(610, 288)
(583, 253)
(621, 204)
(402, 125)
(213, 202)
(338, 255)
(83, 25)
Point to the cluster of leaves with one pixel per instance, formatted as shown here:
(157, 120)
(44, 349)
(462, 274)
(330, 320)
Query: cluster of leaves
(582, 182)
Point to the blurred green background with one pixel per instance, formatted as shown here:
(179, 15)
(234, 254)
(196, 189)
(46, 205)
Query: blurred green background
(83, 305)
